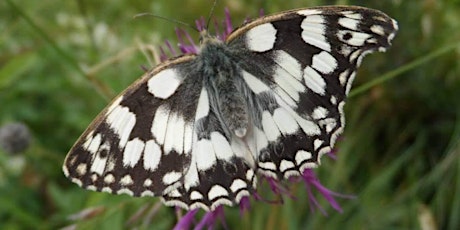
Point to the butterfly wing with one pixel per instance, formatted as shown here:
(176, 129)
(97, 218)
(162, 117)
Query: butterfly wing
(299, 66)
(141, 143)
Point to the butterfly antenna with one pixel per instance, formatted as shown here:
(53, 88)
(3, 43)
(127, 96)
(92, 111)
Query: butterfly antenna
(211, 13)
(167, 19)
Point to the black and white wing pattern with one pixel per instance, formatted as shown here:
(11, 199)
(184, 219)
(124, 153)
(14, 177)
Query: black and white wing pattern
(198, 129)
(141, 144)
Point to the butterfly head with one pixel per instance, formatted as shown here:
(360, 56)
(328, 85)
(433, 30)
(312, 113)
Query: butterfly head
(207, 38)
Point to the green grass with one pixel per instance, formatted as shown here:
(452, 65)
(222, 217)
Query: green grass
(62, 61)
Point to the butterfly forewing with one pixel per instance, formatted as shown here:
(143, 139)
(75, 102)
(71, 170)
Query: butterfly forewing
(141, 143)
(197, 129)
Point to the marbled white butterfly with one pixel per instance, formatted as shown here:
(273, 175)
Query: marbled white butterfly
(198, 129)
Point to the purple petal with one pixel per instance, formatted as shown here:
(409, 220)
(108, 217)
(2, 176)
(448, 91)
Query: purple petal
(228, 23)
(332, 154)
(170, 47)
(261, 13)
(184, 47)
(217, 30)
(313, 201)
(277, 188)
(163, 55)
(186, 221)
(180, 37)
(245, 205)
(209, 219)
(186, 44)
(179, 34)
(191, 45)
(257, 196)
(311, 179)
(201, 24)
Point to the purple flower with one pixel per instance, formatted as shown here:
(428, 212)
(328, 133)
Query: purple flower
(14, 137)
(186, 45)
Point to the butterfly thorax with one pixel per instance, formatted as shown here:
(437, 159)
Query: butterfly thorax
(222, 78)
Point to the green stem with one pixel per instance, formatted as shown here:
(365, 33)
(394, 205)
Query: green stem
(405, 68)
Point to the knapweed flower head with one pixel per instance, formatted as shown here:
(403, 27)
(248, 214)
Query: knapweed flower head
(186, 43)
(280, 188)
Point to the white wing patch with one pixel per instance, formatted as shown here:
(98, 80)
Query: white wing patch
(261, 38)
(152, 155)
(302, 156)
(354, 38)
(217, 191)
(188, 137)
(93, 143)
(319, 113)
(287, 62)
(314, 81)
(225, 151)
(160, 123)
(171, 177)
(175, 134)
(132, 153)
(282, 81)
(313, 32)
(324, 62)
(164, 83)
(203, 105)
(349, 23)
(269, 126)
(207, 158)
(191, 178)
(122, 121)
(126, 180)
(98, 164)
(256, 85)
(286, 124)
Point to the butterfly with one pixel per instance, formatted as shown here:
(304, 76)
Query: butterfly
(198, 129)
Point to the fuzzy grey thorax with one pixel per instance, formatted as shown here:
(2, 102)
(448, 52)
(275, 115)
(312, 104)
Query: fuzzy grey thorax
(222, 77)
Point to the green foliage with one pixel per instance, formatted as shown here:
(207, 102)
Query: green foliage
(62, 61)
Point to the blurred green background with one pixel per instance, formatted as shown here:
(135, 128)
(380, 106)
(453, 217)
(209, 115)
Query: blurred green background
(62, 61)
